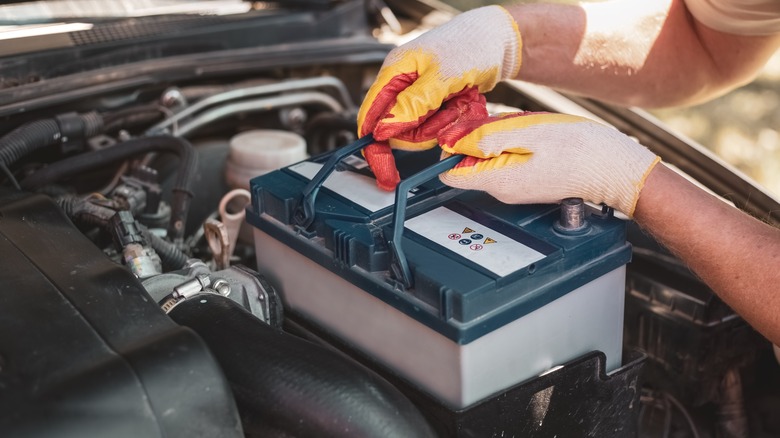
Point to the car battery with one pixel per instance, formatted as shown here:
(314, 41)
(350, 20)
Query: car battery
(457, 293)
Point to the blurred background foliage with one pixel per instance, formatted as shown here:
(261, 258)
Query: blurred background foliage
(742, 127)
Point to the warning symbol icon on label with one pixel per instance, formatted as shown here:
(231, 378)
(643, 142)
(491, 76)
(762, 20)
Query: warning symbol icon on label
(489, 240)
(467, 230)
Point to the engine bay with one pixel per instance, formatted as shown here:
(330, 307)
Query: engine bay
(137, 302)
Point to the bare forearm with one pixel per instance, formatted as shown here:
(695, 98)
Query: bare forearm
(735, 254)
(632, 52)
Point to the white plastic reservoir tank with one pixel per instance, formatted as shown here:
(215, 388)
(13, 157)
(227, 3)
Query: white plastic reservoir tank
(260, 151)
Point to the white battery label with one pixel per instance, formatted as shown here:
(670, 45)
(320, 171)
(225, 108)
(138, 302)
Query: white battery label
(360, 189)
(486, 247)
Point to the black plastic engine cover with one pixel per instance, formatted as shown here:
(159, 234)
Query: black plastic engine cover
(84, 350)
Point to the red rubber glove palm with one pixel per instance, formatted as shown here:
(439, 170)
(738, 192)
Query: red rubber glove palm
(526, 158)
(432, 82)
(464, 106)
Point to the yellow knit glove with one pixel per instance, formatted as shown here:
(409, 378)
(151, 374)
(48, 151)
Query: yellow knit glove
(525, 158)
(474, 51)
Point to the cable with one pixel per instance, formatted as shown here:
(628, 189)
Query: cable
(667, 418)
(10, 176)
(115, 179)
(172, 258)
(84, 210)
(686, 414)
(182, 195)
(666, 401)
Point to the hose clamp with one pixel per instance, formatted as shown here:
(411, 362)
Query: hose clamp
(201, 284)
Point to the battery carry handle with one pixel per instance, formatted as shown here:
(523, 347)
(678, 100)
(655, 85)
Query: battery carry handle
(304, 212)
(399, 265)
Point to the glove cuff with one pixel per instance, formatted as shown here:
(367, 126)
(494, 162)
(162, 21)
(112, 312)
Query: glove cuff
(612, 167)
(630, 182)
(513, 48)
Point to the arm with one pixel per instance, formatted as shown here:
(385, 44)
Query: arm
(631, 52)
(735, 254)
(643, 53)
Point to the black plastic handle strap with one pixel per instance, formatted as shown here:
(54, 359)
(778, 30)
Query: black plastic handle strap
(399, 266)
(304, 213)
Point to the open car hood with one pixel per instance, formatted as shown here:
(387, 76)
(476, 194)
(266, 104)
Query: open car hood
(137, 300)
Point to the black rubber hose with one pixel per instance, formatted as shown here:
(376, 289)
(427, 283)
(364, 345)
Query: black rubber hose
(42, 133)
(286, 386)
(182, 195)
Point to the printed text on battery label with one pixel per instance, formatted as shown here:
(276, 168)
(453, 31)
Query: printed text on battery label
(474, 241)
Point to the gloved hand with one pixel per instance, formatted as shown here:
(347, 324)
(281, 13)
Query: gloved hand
(524, 158)
(465, 106)
(475, 50)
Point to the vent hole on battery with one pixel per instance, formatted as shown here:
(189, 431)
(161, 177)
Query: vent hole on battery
(531, 268)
